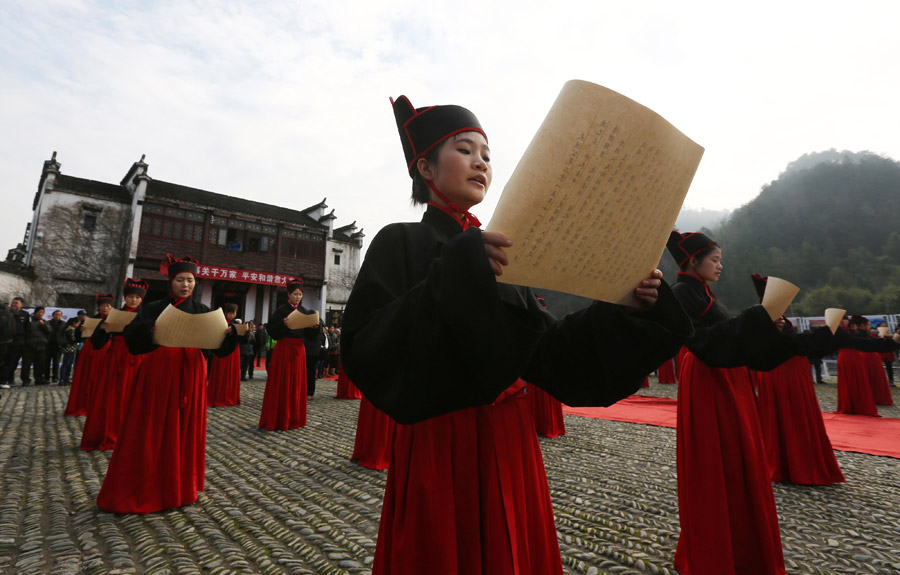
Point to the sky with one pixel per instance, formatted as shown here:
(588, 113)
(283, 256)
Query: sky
(287, 102)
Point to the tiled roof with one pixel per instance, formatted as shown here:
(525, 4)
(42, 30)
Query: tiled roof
(178, 193)
(92, 188)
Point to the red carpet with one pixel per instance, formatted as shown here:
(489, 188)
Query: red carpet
(858, 433)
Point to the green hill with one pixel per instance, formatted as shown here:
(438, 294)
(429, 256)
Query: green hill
(830, 224)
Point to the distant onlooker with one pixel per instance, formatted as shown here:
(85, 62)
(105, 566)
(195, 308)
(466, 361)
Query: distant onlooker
(51, 368)
(259, 344)
(34, 356)
(7, 333)
(17, 345)
(247, 344)
(68, 345)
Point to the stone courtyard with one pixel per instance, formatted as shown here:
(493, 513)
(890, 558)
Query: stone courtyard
(292, 502)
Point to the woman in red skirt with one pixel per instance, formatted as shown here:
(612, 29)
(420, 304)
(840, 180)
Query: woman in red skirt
(725, 502)
(284, 400)
(854, 391)
(374, 437)
(117, 371)
(87, 366)
(224, 389)
(797, 447)
(160, 455)
(878, 380)
(345, 387)
(466, 490)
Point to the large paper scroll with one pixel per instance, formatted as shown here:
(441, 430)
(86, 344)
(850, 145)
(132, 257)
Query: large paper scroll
(297, 320)
(833, 317)
(884, 331)
(778, 296)
(90, 324)
(241, 328)
(118, 319)
(592, 201)
(175, 328)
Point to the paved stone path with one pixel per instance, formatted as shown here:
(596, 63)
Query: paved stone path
(291, 502)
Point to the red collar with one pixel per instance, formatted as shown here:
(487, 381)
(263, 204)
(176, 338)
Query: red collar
(451, 209)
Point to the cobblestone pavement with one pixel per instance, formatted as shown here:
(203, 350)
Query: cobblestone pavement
(291, 502)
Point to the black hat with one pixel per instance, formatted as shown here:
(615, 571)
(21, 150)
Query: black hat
(294, 283)
(185, 264)
(105, 298)
(759, 282)
(421, 129)
(685, 246)
(133, 286)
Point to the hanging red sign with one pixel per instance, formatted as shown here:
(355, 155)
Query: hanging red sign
(234, 275)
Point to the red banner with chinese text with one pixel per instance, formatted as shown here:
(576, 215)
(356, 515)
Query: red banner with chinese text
(230, 274)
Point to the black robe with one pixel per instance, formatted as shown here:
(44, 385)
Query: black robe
(277, 330)
(426, 293)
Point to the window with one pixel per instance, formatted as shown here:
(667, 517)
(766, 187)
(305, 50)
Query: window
(337, 259)
(90, 221)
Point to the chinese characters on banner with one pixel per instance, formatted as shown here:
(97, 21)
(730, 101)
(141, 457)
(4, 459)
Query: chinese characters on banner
(229, 274)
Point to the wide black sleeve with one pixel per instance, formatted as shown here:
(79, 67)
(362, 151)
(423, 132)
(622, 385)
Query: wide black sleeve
(461, 343)
(231, 339)
(138, 334)
(601, 354)
(751, 339)
(100, 338)
(276, 328)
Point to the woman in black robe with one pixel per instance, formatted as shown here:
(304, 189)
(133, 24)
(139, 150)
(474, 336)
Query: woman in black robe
(466, 490)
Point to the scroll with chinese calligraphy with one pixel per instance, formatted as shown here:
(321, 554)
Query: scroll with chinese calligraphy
(90, 324)
(297, 320)
(175, 328)
(592, 201)
(118, 319)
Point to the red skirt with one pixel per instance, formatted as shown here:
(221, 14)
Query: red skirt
(854, 391)
(881, 388)
(284, 401)
(83, 378)
(345, 387)
(797, 446)
(117, 371)
(546, 411)
(224, 388)
(725, 502)
(467, 494)
(374, 437)
(667, 372)
(160, 455)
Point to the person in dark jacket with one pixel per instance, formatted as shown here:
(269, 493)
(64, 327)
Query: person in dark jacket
(248, 347)
(37, 333)
(68, 345)
(316, 354)
(16, 346)
(57, 324)
(259, 344)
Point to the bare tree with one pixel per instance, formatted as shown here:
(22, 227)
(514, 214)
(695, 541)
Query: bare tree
(83, 251)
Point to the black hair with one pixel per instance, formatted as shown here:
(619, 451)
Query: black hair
(71, 321)
(421, 193)
(38, 308)
(702, 254)
(19, 298)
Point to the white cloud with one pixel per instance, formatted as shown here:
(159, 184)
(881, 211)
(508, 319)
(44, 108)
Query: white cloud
(287, 102)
